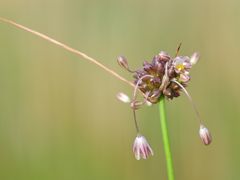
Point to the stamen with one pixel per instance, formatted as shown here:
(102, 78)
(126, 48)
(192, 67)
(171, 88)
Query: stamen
(180, 67)
(190, 99)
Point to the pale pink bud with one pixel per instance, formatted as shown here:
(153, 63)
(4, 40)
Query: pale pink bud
(123, 97)
(122, 61)
(141, 148)
(205, 135)
(194, 58)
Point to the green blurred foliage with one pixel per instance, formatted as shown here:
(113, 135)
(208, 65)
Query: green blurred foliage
(59, 118)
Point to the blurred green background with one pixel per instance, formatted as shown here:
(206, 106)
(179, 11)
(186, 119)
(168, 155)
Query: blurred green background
(59, 118)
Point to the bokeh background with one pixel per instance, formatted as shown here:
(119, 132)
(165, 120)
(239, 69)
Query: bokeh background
(59, 118)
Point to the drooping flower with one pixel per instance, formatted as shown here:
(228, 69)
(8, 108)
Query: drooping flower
(205, 135)
(141, 148)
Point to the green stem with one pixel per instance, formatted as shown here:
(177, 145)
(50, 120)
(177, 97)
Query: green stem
(166, 143)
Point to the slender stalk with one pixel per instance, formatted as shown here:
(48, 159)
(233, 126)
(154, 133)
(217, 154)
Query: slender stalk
(191, 101)
(135, 121)
(166, 143)
(68, 48)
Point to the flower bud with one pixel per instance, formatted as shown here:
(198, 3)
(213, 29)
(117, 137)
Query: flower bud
(123, 97)
(205, 135)
(122, 61)
(194, 58)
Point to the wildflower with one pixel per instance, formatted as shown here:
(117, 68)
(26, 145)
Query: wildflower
(163, 76)
(205, 135)
(182, 64)
(141, 148)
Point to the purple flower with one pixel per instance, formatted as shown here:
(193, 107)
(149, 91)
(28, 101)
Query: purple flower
(182, 64)
(141, 148)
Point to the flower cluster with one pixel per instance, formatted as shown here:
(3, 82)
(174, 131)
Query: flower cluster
(164, 76)
(157, 78)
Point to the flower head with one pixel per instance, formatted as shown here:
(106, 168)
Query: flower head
(141, 148)
(155, 78)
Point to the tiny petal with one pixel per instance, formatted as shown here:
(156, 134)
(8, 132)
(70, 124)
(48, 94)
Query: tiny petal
(194, 58)
(123, 97)
(184, 78)
(205, 135)
(141, 148)
(122, 61)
